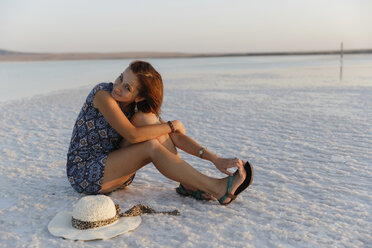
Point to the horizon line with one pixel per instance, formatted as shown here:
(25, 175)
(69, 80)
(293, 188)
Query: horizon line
(10, 55)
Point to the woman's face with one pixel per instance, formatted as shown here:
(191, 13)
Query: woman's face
(126, 87)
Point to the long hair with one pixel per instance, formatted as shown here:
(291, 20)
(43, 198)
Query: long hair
(151, 86)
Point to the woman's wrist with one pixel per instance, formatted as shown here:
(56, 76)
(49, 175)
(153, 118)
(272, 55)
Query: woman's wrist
(170, 124)
(213, 158)
(204, 153)
(201, 152)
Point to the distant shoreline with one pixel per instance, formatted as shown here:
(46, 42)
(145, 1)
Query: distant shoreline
(12, 56)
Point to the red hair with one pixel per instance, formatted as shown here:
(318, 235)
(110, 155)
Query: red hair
(151, 87)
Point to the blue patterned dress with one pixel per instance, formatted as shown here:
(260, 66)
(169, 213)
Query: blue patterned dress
(92, 140)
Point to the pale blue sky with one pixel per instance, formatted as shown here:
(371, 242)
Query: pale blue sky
(184, 26)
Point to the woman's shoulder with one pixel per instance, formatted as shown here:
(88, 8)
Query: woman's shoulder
(101, 86)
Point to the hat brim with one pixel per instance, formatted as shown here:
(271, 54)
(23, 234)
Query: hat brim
(61, 226)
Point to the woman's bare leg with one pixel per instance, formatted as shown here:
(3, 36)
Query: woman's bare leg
(143, 119)
(114, 179)
(128, 160)
(121, 164)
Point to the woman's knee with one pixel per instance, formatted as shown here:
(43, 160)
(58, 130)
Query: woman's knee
(143, 119)
(151, 146)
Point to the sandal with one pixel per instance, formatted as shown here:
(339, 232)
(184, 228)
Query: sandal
(197, 194)
(248, 180)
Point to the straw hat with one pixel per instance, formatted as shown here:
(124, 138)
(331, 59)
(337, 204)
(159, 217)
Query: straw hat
(93, 217)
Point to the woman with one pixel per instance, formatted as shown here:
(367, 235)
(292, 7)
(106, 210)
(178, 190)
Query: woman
(118, 132)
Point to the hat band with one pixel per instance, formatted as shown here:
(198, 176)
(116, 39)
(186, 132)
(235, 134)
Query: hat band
(83, 225)
(134, 211)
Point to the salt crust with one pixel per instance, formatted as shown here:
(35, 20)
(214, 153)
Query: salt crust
(94, 208)
(308, 136)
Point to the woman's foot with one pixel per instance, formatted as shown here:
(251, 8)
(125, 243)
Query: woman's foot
(229, 185)
(193, 192)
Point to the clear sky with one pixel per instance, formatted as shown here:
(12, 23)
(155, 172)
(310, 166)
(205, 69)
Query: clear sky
(184, 26)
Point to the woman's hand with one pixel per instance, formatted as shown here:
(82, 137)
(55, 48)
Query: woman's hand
(222, 164)
(178, 127)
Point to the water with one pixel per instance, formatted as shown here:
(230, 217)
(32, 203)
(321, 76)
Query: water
(25, 79)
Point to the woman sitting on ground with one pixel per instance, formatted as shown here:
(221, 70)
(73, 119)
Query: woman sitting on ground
(118, 131)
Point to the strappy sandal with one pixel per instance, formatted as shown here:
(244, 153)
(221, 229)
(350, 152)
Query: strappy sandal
(197, 194)
(248, 180)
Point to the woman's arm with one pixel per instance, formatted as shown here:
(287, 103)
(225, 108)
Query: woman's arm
(109, 108)
(192, 147)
